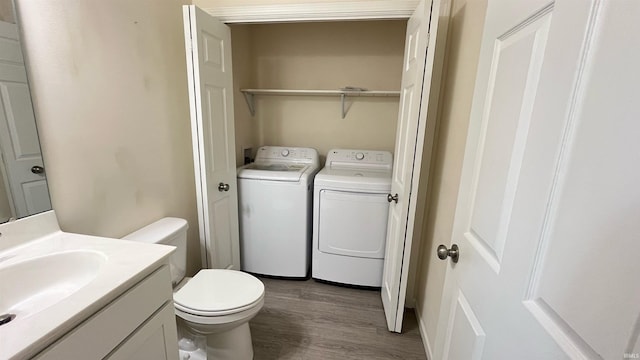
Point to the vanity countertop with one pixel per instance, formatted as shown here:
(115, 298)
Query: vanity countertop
(113, 266)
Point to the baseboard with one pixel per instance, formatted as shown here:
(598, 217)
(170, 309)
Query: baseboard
(423, 335)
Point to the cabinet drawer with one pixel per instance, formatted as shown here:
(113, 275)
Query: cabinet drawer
(96, 337)
(156, 339)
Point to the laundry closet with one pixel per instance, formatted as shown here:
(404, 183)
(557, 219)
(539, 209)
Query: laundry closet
(319, 85)
(332, 87)
(317, 56)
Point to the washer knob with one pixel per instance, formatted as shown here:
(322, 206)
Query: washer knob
(359, 156)
(285, 153)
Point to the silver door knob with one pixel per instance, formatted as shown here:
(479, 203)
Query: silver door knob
(223, 187)
(37, 169)
(391, 198)
(453, 253)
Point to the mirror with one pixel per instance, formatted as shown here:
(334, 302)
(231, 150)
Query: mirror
(23, 183)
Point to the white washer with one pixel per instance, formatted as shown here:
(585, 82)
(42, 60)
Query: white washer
(275, 205)
(350, 217)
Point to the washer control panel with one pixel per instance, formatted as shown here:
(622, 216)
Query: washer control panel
(287, 154)
(345, 158)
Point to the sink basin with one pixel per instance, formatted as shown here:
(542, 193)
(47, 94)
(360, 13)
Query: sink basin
(52, 281)
(34, 284)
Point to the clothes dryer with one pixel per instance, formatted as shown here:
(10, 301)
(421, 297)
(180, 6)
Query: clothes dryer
(275, 196)
(350, 217)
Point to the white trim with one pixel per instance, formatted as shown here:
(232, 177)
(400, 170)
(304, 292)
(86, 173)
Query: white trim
(423, 335)
(325, 11)
(7, 188)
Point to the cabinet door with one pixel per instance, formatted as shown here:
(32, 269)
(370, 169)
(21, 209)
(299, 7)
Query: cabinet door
(156, 339)
(106, 330)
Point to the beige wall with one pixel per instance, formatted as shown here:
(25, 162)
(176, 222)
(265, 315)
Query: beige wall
(326, 55)
(463, 47)
(110, 95)
(243, 73)
(6, 11)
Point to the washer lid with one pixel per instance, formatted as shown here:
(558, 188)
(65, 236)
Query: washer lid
(273, 171)
(356, 179)
(218, 290)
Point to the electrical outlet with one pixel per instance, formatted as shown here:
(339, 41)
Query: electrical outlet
(247, 154)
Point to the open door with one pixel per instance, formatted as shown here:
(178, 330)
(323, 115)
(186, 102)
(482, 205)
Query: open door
(546, 222)
(20, 149)
(414, 140)
(208, 45)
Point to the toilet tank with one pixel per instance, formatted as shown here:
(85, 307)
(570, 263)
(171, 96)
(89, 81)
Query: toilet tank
(167, 231)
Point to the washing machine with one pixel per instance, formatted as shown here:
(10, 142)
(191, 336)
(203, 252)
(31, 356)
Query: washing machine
(350, 217)
(275, 195)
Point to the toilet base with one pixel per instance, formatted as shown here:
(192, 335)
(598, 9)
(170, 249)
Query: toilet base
(234, 344)
(192, 355)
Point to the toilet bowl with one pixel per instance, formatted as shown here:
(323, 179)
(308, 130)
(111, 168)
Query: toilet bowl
(218, 305)
(215, 304)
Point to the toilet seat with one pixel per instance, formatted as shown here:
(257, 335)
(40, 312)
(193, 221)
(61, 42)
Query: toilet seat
(219, 292)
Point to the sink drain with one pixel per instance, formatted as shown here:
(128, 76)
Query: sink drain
(5, 318)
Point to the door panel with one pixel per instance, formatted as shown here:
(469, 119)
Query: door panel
(515, 70)
(221, 238)
(208, 43)
(468, 342)
(215, 108)
(21, 120)
(548, 193)
(341, 213)
(36, 196)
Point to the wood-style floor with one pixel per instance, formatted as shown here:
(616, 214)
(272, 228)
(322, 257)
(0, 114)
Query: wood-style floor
(311, 320)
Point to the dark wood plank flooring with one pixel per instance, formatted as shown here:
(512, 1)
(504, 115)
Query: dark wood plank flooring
(311, 320)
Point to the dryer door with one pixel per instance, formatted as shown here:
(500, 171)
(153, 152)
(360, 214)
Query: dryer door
(353, 223)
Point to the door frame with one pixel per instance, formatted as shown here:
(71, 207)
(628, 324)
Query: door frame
(388, 9)
(6, 188)
(335, 10)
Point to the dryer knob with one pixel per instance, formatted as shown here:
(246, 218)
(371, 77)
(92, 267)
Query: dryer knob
(285, 153)
(359, 156)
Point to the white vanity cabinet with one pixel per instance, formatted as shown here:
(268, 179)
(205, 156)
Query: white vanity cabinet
(139, 324)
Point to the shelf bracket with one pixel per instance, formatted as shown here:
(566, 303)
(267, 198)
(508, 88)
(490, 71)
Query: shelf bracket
(250, 98)
(342, 98)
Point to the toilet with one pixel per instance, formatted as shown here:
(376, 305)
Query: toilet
(216, 304)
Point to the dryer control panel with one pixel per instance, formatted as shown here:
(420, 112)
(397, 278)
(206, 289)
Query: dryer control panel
(271, 154)
(361, 159)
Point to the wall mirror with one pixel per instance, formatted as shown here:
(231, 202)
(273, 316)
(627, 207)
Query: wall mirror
(23, 182)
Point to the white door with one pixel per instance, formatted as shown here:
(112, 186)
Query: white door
(547, 215)
(20, 149)
(412, 142)
(208, 43)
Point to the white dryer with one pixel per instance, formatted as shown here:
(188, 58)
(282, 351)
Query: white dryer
(275, 209)
(350, 217)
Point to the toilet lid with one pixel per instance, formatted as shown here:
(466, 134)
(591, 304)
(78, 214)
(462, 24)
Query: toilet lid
(218, 290)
